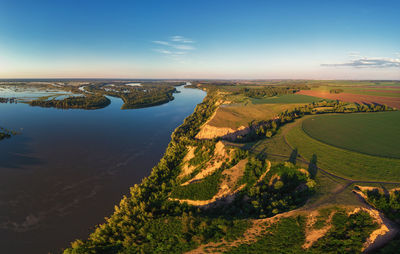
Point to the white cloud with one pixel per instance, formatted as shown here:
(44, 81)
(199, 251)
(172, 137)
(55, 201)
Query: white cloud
(164, 51)
(162, 43)
(183, 47)
(368, 62)
(176, 48)
(181, 39)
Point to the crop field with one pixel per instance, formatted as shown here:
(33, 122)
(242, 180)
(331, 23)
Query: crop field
(236, 115)
(353, 83)
(349, 97)
(386, 91)
(369, 133)
(287, 98)
(342, 162)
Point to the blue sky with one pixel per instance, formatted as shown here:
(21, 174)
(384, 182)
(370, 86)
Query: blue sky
(200, 39)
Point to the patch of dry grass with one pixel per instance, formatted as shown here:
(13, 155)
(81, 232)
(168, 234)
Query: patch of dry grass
(236, 115)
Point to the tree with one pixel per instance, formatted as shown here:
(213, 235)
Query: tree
(312, 166)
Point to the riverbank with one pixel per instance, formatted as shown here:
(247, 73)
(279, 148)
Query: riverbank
(150, 198)
(44, 190)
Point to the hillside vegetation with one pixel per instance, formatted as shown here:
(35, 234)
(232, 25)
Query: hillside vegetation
(220, 196)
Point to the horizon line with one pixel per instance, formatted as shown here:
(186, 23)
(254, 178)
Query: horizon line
(194, 79)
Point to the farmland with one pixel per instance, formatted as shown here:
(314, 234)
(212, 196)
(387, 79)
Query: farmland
(340, 161)
(358, 132)
(378, 90)
(350, 97)
(287, 98)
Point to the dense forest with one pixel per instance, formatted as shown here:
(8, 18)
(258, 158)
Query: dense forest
(76, 102)
(271, 91)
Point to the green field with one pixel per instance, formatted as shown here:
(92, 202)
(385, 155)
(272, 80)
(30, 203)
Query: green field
(287, 98)
(342, 162)
(371, 133)
(388, 90)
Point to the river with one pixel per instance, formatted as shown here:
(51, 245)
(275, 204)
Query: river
(68, 168)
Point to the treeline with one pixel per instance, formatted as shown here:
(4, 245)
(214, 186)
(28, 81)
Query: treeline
(266, 129)
(267, 91)
(8, 100)
(336, 91)
(253, 92)
(75, 102)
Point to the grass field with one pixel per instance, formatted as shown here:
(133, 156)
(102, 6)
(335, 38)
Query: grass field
(327, 186)
(352, 83)
(379, 90)
(287, 98)
(372, 133)
(343, 162)
(236, 115)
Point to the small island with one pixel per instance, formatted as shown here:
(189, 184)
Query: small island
(77, 102)
(138, 96)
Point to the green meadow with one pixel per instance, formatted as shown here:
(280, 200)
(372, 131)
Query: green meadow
(369, 133)
(343, 162)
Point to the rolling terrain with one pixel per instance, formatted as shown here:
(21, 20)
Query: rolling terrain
(259, 169)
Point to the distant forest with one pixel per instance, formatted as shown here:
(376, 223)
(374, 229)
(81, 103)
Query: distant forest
(78, 102)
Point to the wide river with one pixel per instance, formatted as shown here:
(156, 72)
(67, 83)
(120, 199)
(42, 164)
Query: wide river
(68, 168)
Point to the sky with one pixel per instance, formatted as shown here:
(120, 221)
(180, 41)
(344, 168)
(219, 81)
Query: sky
(207, 39)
